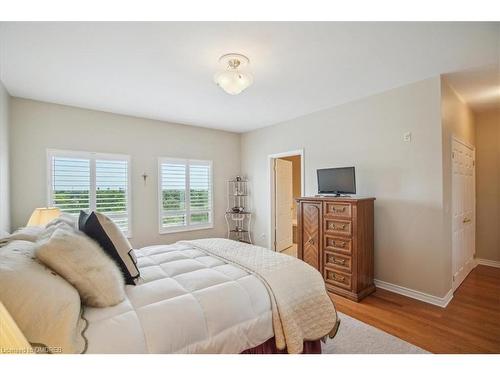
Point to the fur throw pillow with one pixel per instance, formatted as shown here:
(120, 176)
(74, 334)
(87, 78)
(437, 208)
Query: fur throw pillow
(82, 262)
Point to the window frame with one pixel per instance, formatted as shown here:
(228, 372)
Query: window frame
(92, 156)
(187, 227)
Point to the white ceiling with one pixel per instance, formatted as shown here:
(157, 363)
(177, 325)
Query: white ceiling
(165, 70)
(479, 87)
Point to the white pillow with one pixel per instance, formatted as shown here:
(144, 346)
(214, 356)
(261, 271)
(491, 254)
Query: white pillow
(46, 307)
(37, 232)
(82, 262)
(24, 234)
(68, 219)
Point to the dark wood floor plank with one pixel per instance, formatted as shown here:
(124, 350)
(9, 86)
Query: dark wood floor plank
(469, 324)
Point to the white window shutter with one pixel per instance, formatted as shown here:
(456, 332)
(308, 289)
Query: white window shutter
(185, 190)
(70, 184)
(112, 190)
(90, 181)
(173, 194)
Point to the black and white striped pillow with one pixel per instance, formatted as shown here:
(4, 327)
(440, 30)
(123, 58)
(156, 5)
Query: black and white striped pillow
(107, 234)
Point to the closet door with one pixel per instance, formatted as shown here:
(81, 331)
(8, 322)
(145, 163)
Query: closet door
(309, 232)
(463, 206)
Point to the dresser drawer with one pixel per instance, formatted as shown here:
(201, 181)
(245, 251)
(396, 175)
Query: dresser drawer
(337, 278)
(333, 209)
(338, 227)
(338, 244)
(337, 261)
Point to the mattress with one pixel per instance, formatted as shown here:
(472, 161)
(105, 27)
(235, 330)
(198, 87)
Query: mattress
(185, 302)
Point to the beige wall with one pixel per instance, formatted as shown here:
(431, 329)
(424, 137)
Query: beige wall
(4, 161)
(296, 180)
(405, 177)
(488, 185)
(36, 126)
(457, 121)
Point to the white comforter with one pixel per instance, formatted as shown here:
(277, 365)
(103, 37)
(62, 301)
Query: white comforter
(186, 302)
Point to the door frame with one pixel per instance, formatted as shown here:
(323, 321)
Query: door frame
(454, 138)
(272, 191)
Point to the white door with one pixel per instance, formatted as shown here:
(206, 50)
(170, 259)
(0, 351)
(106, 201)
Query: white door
(283, 203)
(463, 211)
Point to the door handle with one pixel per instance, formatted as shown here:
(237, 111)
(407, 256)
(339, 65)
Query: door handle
(466, 220)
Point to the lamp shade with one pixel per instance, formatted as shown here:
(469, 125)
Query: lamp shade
(42, 216)
(12, 340)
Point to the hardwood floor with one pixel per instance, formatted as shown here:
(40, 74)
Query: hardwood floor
(469, 324)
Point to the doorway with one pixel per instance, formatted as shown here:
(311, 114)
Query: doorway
(463, 211)
(286, 184)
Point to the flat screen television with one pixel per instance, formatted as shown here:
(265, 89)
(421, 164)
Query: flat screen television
(336, 181)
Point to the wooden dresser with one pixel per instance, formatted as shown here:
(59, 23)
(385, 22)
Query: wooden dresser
(335, 236)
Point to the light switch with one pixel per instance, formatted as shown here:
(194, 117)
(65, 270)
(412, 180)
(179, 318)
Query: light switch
(407, 137)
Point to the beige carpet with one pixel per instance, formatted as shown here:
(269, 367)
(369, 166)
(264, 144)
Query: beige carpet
(356, 337)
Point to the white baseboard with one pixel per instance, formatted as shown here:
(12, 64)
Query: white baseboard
(428, 298)
(486, 262)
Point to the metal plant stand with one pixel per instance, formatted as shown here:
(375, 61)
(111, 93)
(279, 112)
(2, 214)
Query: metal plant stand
(238, 215)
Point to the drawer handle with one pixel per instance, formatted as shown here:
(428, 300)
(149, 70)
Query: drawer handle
(339, 244)
(339, 261)
(335, 209)
(341, 227)
(338, 277)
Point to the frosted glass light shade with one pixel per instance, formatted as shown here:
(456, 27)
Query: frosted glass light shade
(42, 216)
(232, 81)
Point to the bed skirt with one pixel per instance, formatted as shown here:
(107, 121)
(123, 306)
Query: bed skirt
(269, 347)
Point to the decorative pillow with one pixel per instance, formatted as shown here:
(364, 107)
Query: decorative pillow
(24, 234)
(53, 226)
(82, 262)
(67, 219)
(107, 234)
(35, 233)
(46, 307)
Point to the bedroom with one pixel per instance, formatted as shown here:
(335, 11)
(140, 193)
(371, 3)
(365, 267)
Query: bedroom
(149, 144)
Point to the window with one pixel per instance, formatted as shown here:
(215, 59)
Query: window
(185, 194)
(84, 180)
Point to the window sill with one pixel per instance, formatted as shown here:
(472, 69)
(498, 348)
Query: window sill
(185, 229)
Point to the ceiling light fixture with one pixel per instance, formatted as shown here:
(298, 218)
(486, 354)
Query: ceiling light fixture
(233, 79)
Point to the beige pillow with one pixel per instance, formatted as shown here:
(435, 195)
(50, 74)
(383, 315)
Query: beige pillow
(82, 262)
(46, 307)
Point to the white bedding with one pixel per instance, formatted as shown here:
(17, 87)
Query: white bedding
(186, 302)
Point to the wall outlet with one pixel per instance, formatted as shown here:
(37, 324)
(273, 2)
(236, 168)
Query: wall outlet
(262, 236)
(407, 137)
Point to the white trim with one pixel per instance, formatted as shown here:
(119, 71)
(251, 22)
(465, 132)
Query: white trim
(188, 227)
(270, 183)
(415, 294)
(487, 262)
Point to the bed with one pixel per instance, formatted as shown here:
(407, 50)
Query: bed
(200, 296)
(187, 301)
